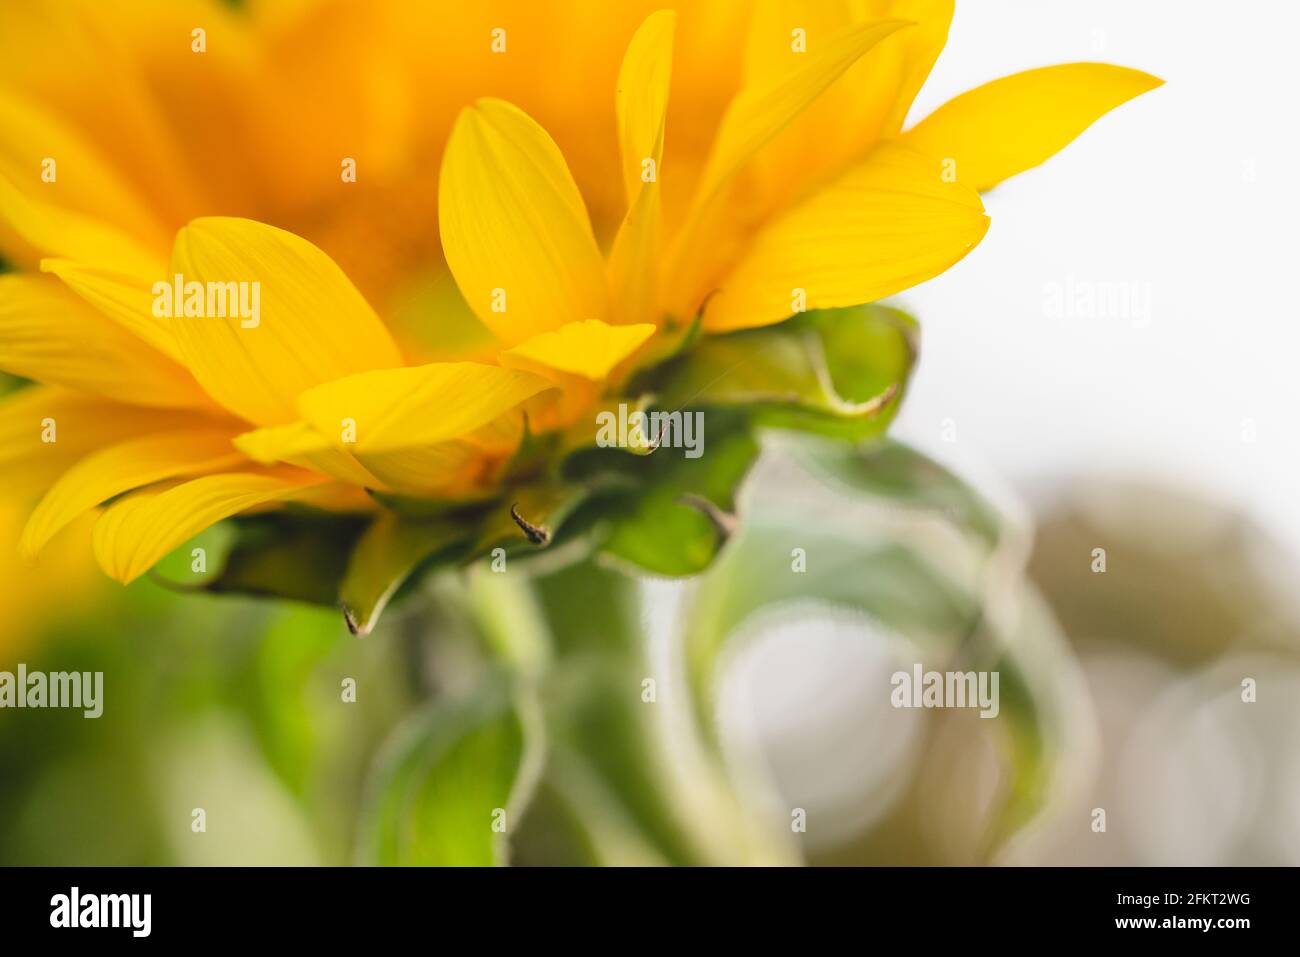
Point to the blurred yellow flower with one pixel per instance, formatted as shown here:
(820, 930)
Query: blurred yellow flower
(793, 187)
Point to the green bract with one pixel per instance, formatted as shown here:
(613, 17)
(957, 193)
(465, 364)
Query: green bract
(837, 374)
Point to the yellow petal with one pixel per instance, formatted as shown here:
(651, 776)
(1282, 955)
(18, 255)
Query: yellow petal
(869, 101)
(918, 49)
(96, 83)
(761, 110)
(1012, 124)
(312, 327)
(458, 469)
(514, 228)
(45, 429)
(279, 443)
(135, 532)
(337, 497)
(641, 102)
(416, 406)
(49, 334)
(756, 115)
(125, 299)
(52, 161)
(299, 444)
(589, 349)
(634, 261)
(211, 102)
(642, 105)
(54, 231)
(887, 224)
(122, 467)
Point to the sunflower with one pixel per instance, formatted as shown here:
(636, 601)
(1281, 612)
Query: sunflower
(241, 366)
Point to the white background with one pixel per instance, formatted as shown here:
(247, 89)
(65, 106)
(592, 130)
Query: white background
(1191, 193)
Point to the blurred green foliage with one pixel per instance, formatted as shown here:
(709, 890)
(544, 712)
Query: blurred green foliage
(246, 689)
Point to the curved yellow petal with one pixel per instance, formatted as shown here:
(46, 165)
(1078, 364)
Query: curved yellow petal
(135, 532)
(589, 349)
(868, 102)
(755, 116)
(763, 109)
(459, 468)
(45, 429)
(121, 468)
(514, 228)
(887, 224)
(641, 101)
(49, 334)
(452, 468)
(64, 233)
(577, 359)
(279, 443)
(917, 49)
(1014, 123)
(634, 261)
(642, 107)
(306, 323)
(416, 406)
(337, 497)
(125, 299)
(299, 444)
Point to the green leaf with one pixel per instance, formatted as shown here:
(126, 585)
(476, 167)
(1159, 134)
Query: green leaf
(1026, 743)
(452, 773)
(947, 594)
(837, 372)
(544, 506)
(387, 554)
(288, 727)
(664, 512)
(891, 470)
(886, 579)
(664, 536)
(865, 348)
(297, 554)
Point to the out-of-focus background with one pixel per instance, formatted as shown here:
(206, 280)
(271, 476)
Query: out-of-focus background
(1132, 308)
(1117, 356)
(1111, 367)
